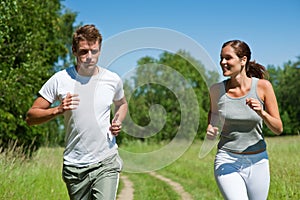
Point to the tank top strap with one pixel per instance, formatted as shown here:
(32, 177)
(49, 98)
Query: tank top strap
(253, 90)
(254, 83)
(252, 93)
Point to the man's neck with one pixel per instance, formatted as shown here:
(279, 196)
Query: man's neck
(87, 71)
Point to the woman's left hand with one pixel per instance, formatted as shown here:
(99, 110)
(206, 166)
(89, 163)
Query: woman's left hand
(255, 105)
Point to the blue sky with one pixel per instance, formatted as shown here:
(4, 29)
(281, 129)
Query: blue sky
(270, 27)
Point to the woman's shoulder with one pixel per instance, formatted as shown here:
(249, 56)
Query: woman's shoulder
(264, 89)
(217, 89)
(218, 86)
(264, 84)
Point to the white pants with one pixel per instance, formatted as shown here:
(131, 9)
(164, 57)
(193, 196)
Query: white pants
(242, 177)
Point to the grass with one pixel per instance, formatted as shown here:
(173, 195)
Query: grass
(37, 178)
(193, 173)
(196, 175)
(284, 165)
(147, 187)
(40, 177)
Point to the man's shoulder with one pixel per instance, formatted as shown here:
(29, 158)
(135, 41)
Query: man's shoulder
(65, 72)
(110, 74)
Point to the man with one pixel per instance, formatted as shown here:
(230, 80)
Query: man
(91, 164)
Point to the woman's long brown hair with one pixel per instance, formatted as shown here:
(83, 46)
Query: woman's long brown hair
(253, 69)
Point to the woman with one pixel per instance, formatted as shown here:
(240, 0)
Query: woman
(239, 106)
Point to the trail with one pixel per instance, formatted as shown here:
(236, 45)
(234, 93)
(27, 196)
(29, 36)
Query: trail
(127, 191)
(176, 186)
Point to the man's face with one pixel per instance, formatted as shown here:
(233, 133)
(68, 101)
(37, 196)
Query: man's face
(87, 57)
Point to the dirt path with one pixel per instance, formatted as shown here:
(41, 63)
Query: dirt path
(176, 186)
(127, 191)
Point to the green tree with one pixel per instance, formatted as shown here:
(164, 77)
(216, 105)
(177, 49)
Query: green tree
(285, 81)
(34, 36)
(162, 91)
(288, 90)
(198, 78)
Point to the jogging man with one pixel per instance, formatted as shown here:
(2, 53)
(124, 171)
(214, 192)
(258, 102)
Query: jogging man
(91, 164)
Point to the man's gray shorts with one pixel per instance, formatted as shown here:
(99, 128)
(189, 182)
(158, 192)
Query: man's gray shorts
(97, 181)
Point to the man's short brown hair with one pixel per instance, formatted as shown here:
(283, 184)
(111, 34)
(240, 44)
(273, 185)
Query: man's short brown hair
(87, 33)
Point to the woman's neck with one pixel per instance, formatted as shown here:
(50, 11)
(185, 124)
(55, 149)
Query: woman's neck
(238, 86)
(241, 80)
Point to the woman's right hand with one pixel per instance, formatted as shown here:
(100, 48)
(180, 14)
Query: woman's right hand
(212, 132)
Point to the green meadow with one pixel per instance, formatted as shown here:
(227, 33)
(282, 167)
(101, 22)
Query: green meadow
(40, 176)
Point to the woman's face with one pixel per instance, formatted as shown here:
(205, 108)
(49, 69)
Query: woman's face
(230, 63)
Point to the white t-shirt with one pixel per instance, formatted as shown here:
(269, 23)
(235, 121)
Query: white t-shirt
(88, 139)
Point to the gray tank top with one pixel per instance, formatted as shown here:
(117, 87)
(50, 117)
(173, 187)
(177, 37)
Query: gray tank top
(242, 127)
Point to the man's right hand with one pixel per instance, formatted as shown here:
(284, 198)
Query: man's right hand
(70, 102)
(41, 112)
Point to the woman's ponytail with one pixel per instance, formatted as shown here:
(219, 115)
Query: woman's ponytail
(242, 49)
(254, 69)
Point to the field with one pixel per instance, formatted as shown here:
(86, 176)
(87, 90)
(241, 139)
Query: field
(40, 177)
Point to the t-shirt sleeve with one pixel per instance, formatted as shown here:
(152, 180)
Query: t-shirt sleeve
(119, 91)
(49, 90)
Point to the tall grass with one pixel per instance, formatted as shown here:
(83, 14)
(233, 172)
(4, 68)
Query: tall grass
(40, 177)
(36, 178)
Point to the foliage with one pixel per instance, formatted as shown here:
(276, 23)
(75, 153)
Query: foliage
(35, 41)
(287, 89)
(33, 37)
(145, 92)
(166, 94)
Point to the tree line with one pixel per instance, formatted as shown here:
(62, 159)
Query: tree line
(285, 80)
(35, 42)
(34, 36)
